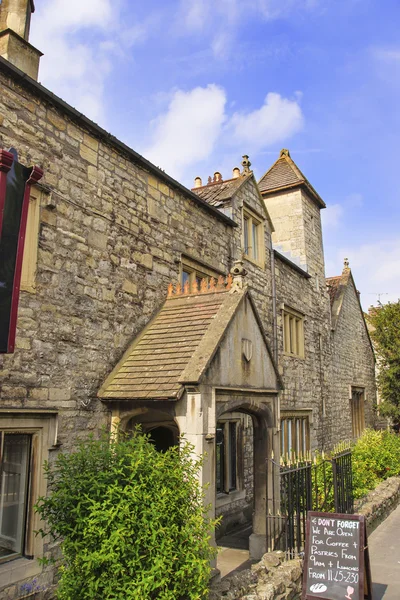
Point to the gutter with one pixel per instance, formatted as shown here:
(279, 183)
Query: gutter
(26, 81)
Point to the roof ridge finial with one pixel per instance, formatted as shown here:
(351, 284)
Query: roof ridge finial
(238, 272)
(346, 263)
(246, 164)
(284, 152)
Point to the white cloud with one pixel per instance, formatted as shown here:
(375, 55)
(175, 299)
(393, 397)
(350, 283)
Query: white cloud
(277, 119)
(331, 216)
(376, 270)
(195, 132)
(187, 132)
(79, 39)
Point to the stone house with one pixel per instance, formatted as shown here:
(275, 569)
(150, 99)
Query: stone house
(244, 354)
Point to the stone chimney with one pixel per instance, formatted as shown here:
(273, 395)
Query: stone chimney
(235, 173)
(217, 177)
(15, 19)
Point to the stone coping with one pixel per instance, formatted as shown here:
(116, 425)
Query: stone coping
(377, 505)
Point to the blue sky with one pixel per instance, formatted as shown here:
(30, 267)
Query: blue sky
(193, 85)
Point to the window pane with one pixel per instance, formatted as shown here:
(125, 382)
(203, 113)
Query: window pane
(289, 435)
(185, 277)
(220, 458)
(233, 455)
(246, 234)
(13, 492)
(254, 240)
(299, 449)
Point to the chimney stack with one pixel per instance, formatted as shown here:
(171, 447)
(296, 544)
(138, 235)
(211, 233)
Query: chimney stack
(15, 19)
(236, 173)
(197, 182)
(217, 177)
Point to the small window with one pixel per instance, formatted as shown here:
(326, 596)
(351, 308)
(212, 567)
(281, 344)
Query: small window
(194, 272)
(295, 436)
(226, 457)
(293, 333)
(15, 449)
(253, 235)
(357, 411)
(25, 442)
(29, 262)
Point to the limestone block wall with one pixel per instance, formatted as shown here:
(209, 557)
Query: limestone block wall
(110, 241)
(259, 276)
(352, 365)
(306, 380)
(298, 230)
(286, 211)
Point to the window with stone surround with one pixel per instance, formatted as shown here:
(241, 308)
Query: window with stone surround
(227, 456)
(293, 332)
(295, 435)
(25, 439)
(253, 236)
(193, 272)
(29, 262)
(357, 411)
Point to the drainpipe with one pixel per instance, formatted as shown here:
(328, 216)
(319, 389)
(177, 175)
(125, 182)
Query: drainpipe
(274, 316)
(275, 332)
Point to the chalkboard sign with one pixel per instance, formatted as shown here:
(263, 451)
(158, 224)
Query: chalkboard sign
(336, 561)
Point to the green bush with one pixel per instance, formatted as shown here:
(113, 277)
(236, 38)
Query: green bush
(131, 521)
(376, 456)
(323, 492)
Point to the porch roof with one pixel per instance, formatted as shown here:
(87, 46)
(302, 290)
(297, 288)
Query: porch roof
(175, 348)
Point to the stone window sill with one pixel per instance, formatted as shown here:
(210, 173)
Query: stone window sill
(18, 569)
(224, 499)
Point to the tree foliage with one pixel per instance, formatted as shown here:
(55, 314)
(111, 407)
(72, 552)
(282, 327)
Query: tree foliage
(385, 321)
(131, 521)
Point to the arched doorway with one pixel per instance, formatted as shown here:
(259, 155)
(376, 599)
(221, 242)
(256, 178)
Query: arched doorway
(162, 438)
(242, 493)
(159, 425)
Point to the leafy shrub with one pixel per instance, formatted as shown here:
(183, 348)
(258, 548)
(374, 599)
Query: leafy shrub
(376, 456)
(131, 521)
(323, 491)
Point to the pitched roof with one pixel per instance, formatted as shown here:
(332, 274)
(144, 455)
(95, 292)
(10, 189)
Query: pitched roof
(333, 286)
(337, 287)
(218, 193)
(285, 174)
(175, 348)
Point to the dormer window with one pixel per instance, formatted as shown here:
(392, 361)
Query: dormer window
(253, 236)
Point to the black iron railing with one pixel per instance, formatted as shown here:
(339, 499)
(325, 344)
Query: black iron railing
(322, 484)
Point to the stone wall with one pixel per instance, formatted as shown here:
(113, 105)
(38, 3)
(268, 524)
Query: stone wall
(352, 364)
(111, 239)
(107, 252)
(306, 379)
(272, 578)
(259, 273)
(379, 503)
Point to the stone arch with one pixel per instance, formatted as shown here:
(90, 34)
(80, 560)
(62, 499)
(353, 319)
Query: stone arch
(264, 427)
(158, 422)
